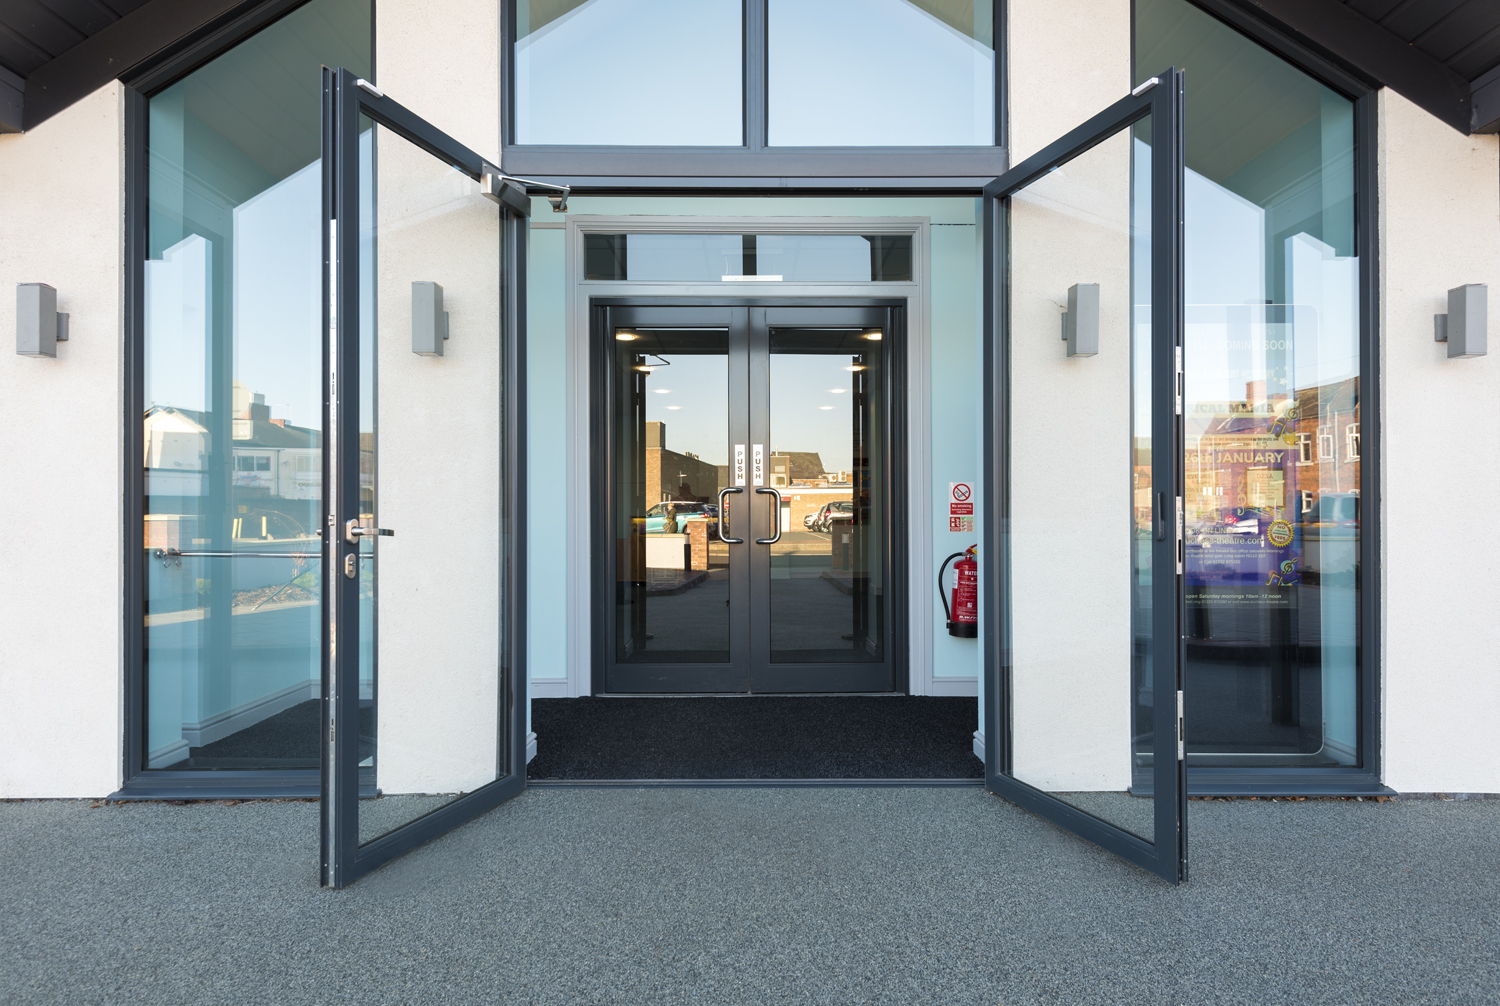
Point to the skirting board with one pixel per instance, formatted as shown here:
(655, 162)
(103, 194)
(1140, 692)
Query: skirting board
(958, 688)
(979, 745)
(221, 725)
(530, 747)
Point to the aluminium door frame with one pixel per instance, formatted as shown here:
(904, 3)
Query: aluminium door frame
(1166, 855)
(343, 859)
(897, 537)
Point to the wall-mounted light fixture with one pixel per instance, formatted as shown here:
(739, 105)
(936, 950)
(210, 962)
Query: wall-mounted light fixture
(1463, 327)
(1080, 322)
(39, 326)
(429, 322)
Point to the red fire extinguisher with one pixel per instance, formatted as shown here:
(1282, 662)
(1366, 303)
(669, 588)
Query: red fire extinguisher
(963, 616)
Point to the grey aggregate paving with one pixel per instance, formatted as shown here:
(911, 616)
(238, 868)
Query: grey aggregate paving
(752, 896)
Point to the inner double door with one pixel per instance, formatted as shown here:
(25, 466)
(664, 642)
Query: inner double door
(745, 497)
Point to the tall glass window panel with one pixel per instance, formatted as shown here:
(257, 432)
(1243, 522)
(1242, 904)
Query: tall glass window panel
(1273, 407)
(629, 72)
(881, 73)
(233, 410)
(1079, 534)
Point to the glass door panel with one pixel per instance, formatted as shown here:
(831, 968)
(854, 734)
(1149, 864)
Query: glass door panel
(1080, 500)
(1085, 706)
(671, 459)
(826, 461)
(422, 530)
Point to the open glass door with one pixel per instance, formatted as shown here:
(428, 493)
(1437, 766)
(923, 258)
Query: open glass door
(1082, 566)
(423, 674)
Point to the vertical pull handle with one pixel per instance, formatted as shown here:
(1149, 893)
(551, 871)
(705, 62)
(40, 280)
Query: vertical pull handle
(1161, 516)
(775, 517)
(723, 534)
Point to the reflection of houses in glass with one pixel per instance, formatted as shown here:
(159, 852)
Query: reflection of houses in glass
(680, 477)
(271, 479)
(1276, 455)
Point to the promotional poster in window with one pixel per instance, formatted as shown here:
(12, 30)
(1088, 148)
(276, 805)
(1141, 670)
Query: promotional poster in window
(1270, 482)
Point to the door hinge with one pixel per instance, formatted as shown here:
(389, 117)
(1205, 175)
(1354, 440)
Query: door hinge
(1181, 544)
(1181, 732)
(1177, 381)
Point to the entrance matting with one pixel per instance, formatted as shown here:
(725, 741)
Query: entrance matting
(755, 737)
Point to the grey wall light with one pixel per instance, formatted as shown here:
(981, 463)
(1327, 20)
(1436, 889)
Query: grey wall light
(39, 327)
(1081, 320)
(429, 322)
(1463, 327)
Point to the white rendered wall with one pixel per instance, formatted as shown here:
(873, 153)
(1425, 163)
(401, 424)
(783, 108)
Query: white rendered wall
(1051, 88)
(438, 451)
(1071, 464)
(1069, 59)
(1440, 431)
(61, 222)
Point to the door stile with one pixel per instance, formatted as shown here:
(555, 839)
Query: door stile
(341, 480)
(1169, 311)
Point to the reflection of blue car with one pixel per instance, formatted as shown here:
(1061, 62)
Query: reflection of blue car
(656, 517)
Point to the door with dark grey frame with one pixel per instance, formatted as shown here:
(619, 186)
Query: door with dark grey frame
(1082, 557)
(746, 497)
(424, 677)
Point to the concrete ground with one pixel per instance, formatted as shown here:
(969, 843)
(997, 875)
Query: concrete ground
(763, 896)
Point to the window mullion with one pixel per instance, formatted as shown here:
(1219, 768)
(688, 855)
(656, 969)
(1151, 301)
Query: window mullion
(755, 75)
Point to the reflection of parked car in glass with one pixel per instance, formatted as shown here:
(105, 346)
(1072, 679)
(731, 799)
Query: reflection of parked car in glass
(837, 512)
(1334, 510)
(682, 514)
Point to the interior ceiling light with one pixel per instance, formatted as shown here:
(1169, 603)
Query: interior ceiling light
(674, 408)
(854, 367)
(644, 369)
(825, 408)
(835, 391)
(662, 391)
(874, 336)
(626, 337)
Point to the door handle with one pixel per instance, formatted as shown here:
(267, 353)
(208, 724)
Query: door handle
(775, 517)
(354, 530)
(724, 535)
(1161, 516)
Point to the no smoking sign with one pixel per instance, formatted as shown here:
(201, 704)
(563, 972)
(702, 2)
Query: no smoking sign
(960, 507)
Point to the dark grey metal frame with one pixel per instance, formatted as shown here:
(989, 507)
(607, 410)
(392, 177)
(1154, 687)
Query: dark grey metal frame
(1167, 855)
(344, 859)
(592, 166)
(1366, 778)
(714, 312)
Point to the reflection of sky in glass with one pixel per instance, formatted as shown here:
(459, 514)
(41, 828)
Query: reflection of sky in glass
(278, 296)
(177, 313)
(875, 72)
(692, 397)
(647, 72)
(801, 417)
(1307, 338)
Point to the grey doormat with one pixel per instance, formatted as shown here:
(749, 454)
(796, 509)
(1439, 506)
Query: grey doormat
(755, 737)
